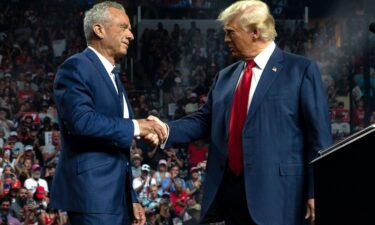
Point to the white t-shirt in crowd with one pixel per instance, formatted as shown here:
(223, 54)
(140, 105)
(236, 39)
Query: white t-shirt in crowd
(31, 184)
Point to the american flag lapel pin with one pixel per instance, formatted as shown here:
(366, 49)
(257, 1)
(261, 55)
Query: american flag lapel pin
(274, 69)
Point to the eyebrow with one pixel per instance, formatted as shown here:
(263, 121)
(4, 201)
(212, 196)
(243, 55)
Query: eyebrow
(126, 26)
(228, 28)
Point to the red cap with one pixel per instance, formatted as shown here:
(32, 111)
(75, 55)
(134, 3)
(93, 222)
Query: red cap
(40, 192)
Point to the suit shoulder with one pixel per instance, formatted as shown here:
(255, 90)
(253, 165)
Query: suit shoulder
(229, 69)
(74, 66)
(76, 59)
(297, 59)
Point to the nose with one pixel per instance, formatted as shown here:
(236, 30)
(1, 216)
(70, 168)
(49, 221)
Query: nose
(130, 36)
(226, 38)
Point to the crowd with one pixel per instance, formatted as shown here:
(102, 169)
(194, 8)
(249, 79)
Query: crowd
(176, 70)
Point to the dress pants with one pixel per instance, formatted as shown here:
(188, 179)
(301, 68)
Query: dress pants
(233, 200)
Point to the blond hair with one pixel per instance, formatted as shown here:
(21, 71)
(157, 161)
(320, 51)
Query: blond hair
(253, 14)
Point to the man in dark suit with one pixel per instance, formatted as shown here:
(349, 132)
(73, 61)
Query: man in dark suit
(266, 117)
(93, 175)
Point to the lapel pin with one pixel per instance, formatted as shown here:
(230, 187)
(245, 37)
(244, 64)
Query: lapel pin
(274, 69)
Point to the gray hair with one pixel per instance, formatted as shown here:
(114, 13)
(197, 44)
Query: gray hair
(98, 14)
(253, 14)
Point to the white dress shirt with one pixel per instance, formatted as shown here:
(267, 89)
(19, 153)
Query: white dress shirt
(109, 67)
(261, 61)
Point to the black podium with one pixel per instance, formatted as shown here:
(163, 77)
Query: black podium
(344, 177)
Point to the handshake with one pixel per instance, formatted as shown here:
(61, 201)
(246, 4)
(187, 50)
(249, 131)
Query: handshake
(153, 130)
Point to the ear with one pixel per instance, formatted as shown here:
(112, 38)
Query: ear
(99, 30)
(256, 34)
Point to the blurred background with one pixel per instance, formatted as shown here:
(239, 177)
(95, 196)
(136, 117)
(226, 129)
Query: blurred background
(177, 51)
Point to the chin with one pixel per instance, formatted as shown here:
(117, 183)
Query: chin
(236, 56)
(121, 53)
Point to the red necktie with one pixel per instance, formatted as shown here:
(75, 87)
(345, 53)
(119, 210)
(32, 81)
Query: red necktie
(237, 119)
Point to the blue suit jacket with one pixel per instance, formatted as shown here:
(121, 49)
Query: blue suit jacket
(93, 174)
(286, 125)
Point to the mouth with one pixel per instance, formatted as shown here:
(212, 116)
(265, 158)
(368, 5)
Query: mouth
(232, 49)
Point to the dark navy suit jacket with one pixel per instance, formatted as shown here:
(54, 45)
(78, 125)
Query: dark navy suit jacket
(286, 125)
(93, 174)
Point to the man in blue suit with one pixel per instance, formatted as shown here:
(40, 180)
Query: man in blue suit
(266, 117)
(93, 180)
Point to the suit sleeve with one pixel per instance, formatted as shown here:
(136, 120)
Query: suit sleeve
(76, 107)
(316, 121)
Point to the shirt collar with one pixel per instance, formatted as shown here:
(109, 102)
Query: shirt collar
(107, 65)
(262, 58)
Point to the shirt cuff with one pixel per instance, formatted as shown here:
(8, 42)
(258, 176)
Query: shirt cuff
(162, 145)
(137, 131)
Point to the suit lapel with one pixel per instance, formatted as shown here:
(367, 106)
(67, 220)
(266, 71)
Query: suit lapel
(104, 74)
(270, 72)
(233, 80)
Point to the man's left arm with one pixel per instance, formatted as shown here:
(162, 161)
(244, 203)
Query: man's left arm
(316, 124)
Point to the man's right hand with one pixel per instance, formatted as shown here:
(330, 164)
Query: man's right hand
(161, 123)
(152, 130)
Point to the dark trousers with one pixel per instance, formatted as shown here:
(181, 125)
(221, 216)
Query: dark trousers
(233, 200)
(98, 219)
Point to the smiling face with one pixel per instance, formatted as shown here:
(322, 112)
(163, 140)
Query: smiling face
(115, 35)
(119, 32)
